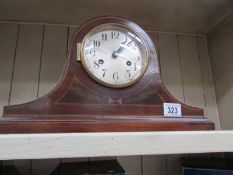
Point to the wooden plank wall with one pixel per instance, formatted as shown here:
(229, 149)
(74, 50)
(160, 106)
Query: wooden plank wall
(32, 58)
(220, 40)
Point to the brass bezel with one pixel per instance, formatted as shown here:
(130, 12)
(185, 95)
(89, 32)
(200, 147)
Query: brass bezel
(81, 56)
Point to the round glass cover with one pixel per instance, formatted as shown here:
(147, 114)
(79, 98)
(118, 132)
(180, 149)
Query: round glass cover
(114, 55)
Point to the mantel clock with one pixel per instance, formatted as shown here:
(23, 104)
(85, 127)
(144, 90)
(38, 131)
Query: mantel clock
(111, 82)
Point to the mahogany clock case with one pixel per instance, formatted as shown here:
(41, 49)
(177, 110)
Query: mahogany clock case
(80, 104)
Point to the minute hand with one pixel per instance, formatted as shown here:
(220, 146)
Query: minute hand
(126, 57)
(120, 49)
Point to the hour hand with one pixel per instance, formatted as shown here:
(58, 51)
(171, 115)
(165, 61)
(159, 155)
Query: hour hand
(115, 53)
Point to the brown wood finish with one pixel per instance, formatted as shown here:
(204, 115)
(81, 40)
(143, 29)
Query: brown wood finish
(79, 104)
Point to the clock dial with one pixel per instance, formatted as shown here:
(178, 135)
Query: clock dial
(114, 55)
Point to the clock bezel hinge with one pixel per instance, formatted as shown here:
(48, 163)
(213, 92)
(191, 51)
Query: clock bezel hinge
(79, 45)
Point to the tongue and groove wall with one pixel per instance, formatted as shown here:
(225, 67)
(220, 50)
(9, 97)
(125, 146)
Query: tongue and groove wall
(220, 41)
(32, 57)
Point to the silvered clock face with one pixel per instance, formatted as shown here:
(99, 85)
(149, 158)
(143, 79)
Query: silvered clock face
(114, 55)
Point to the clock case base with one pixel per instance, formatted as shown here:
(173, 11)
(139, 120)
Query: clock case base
(79, 104)
(65, 125)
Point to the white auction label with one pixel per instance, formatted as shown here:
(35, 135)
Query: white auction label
(172, 109)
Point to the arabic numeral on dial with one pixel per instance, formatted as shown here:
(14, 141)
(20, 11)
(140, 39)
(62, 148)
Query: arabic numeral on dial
(115, 35)
(135, 67)
(128, 74)
(96, 43)
(133, 45)
(104, 37)
(92, 53)
(115, 76)
(104, 72)
(96, 65)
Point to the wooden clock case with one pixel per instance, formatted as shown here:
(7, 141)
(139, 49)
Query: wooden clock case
(79, 104)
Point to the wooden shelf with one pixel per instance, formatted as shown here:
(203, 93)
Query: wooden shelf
(41, 146)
